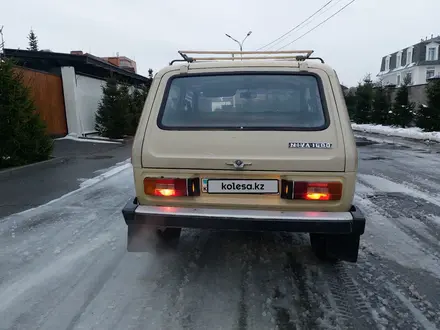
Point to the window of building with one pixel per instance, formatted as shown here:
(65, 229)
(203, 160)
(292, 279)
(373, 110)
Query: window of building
(408, 77)
(398, 80)
(124, 62)
(409, 56)
(430, 72)
(398, 60)
(387, 63)
(431, 54)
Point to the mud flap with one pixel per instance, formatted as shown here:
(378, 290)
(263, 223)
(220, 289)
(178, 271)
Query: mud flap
(343, 247)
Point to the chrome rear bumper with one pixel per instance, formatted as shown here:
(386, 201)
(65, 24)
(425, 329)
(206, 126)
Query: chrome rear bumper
(254, 220)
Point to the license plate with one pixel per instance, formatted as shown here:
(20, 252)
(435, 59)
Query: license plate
(220, 186)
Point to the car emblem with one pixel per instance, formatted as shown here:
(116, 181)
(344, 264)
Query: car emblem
(238, 164)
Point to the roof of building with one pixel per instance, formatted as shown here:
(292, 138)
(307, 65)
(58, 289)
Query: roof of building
(84, 64)
(423, 41)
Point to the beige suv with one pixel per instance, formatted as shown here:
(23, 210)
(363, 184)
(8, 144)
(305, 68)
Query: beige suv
(255, 141)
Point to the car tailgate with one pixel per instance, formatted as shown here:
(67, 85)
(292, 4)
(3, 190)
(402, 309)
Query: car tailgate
(262, 151)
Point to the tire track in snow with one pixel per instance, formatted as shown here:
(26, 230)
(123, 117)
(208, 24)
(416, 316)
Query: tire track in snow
(400, 210)
(270, 291)
(353, 308)
(375, 278)
(207, 290)
(243, 310)
(308, 309)
(412, 215)
(415, 312)
(411, 249)
(182, 266)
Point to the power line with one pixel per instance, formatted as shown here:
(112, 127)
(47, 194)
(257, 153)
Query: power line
(308, 23)
(314, 28)
(316, 12)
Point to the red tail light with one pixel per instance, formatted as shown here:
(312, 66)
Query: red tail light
(318, 191)
(171, 187)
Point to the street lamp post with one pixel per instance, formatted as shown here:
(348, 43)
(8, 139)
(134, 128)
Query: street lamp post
(238, 42)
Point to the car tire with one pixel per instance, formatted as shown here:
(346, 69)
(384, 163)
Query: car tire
(319, 247)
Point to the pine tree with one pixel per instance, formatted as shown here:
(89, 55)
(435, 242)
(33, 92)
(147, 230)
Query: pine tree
(428, 116)
(33, 42)
(137, 101)
(381, 105)
(111, 115)
(132, 113)
(364, 101)
(350, 101)
(403, 110)
(23, 138)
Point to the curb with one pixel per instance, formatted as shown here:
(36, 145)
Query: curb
(120, 141)
(10, 171)
(124, 140)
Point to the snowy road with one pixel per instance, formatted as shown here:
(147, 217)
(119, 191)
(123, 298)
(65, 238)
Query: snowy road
(64, 265)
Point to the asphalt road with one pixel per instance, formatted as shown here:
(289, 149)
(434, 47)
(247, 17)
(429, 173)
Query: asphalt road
(74, 162)
(64, 265)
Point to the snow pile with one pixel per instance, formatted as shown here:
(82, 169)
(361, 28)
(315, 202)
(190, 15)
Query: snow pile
(74, 137)
(411, 132)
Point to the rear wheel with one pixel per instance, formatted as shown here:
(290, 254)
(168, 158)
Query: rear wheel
(332, 248)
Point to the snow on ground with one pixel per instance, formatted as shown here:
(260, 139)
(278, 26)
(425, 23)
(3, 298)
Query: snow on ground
(384, 238)
(435, 219)
(385, 185)
(64, 266)
(106, 173)
(411, 132)
(74, 137)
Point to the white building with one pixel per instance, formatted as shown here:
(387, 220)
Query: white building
(420, 61)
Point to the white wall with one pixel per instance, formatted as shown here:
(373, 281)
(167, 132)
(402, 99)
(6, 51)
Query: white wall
(88, 96)
(69, 90)
(81, 98)
(418, 74)
(82, 95)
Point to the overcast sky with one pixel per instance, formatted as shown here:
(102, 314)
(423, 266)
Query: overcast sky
(151, 32)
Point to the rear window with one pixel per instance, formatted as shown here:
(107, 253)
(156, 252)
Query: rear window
(244, 101)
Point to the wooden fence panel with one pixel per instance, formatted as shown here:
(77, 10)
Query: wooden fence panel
(47, 92)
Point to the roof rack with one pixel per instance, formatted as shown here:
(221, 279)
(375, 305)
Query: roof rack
(297, 55)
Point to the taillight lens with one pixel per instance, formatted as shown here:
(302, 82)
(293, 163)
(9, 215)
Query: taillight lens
(172, 187)
(318, 191)
(311, 191)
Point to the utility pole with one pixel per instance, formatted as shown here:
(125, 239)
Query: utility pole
(238, 42)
